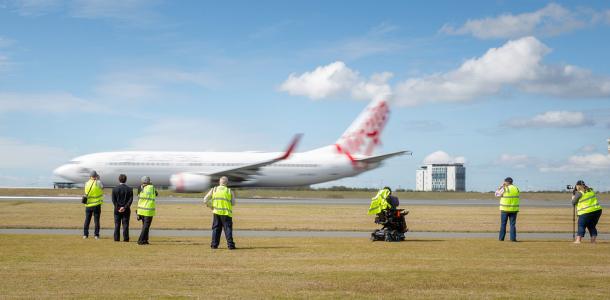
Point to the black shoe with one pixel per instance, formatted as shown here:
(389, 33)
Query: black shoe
(232, 248)
(214, 247)
(142, 243)
(126, 241)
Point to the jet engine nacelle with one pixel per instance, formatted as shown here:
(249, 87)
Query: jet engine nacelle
(190, 182)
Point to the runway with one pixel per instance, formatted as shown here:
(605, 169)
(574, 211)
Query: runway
(304, 201)
(107, 233)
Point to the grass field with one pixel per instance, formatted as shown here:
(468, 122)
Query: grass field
(23, 214)
(311, 194)
(69, 267)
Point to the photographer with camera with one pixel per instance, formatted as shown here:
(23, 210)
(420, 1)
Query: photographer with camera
(509, 208)
(588, 210)
(147, 208)
(93, 199)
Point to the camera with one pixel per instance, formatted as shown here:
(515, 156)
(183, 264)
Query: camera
(571, 188)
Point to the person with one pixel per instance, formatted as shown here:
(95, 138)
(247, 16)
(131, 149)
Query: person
(147, 195)
(509, 208)
(587, 209)
(382, 201)
(122, 197)
(221, 200)
(94, 191)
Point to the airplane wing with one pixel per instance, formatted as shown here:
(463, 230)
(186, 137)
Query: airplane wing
(380, 158)
(244, 172)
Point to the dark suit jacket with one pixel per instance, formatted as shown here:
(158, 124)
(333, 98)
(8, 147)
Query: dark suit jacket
(122, 196)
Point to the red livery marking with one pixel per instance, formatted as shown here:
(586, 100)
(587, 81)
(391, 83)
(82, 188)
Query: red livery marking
(368, 134)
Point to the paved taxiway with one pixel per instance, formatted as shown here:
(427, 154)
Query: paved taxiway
(303, 201)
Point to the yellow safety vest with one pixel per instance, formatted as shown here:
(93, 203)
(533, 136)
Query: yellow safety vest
(588, 203)
(146, 201)
(221, 201)
(379, 202)
(95, 194)
(510, 199)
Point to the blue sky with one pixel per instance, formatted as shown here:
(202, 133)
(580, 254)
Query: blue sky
(513, 88)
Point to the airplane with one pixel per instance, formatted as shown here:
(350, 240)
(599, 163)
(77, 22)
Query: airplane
(193, 172)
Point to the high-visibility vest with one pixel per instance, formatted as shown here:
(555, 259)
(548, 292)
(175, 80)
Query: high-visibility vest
(588, 203)
(379, 202)
(146, 201)
(95, 194)
(221, 201)
(510, 199)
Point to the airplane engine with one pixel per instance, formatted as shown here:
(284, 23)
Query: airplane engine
(190, 182)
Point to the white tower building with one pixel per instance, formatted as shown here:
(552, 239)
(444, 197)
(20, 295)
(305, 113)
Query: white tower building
(441, 177)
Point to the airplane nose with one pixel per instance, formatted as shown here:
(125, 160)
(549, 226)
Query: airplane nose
(63, 172)
(59, 171)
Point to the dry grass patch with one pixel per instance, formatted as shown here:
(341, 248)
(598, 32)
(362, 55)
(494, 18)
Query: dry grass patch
(69, 267)
(23, 214)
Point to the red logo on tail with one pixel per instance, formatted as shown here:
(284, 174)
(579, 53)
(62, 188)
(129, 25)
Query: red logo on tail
(365, 137)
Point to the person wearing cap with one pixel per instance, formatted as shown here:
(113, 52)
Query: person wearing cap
(147, 195)
(509, 208)
(122, 197)
(94, 194)
(221, 200)
(587, 209)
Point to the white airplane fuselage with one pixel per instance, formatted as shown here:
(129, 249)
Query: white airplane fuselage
(197, 171)
(300, 169)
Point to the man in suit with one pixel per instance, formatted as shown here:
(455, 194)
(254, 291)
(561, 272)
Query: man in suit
(122, 197)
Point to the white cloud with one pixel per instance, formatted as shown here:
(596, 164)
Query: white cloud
(581, 163)
(551, 20)
(517, 64)
(336, 79)
(376, 87)
(553, 119)
(46, 102)
(325, 81)
(442, 157)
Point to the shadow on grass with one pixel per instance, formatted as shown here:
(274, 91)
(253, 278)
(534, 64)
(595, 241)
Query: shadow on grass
(263, 248)
(423, 241)
(206, 244)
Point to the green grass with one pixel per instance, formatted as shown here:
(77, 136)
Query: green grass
(69, 267)
(24, 214)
